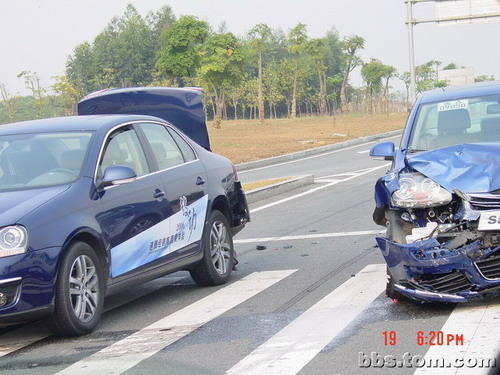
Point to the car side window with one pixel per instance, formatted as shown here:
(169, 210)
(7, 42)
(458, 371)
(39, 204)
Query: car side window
(123, 148)
(165, 149)
(186, 149)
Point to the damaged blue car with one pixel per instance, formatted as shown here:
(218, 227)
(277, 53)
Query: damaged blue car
(440, 200)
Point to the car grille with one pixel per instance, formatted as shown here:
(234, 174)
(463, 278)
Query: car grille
(452, 282)
(490, 267)
(482, 202)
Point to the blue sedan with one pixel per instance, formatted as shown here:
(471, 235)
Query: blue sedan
(440, 201)
(94, 204)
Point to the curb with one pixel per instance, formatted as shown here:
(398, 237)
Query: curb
(278, 188)
(313, 151)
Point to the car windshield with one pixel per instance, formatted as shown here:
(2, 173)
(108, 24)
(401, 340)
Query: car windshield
(29, 161)
(452, 122)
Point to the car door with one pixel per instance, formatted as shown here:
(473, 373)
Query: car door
(185, 186)
(132, 212)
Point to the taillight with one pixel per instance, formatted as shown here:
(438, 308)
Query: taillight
(235, 173)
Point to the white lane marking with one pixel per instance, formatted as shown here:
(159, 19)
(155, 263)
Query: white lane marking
(293, 347)
(314, 190)
(124, 354)
(310, 236)
(305, 158)
(315, 156)
(479, 326)
(363, 152)
(339, 177)
(31, 333)
(325, 180)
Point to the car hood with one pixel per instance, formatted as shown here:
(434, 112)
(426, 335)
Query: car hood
(470, 168)
(14, 205)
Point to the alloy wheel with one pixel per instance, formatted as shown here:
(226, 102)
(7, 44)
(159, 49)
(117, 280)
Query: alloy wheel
(84, 288)
(220, 247)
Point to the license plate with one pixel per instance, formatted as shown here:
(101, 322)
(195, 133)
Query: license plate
(489, 220)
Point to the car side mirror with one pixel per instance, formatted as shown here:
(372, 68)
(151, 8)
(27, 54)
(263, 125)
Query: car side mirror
(383, 151)
(117, 175)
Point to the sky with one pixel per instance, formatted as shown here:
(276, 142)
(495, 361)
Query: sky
(39, 35)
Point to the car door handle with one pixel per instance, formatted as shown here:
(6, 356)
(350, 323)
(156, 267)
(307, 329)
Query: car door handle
(158, 194)
(200, 181)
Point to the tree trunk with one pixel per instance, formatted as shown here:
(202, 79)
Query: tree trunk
(293, 109)
(260, 95)
(219, 107)
(235, 105)
(344, 106)
(322, 92)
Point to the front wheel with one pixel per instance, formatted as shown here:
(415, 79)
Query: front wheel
(218, 252)
(79, 295)
(390, 291)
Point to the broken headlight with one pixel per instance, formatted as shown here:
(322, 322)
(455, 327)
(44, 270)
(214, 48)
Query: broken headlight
(417, 191)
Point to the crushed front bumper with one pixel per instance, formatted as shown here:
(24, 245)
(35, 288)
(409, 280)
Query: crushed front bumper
(427, 270)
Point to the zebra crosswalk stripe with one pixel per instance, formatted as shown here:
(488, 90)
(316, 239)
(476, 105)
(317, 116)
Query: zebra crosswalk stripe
(33, 332)
(479, 326)
(294, 346)
(124, 354)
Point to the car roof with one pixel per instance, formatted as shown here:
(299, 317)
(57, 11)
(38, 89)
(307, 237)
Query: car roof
(464, 91)
(72, 123)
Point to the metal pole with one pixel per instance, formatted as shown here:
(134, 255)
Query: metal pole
(410, 21)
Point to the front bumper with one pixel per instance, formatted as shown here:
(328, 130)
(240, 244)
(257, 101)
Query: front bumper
(27, 285)
(429, 271)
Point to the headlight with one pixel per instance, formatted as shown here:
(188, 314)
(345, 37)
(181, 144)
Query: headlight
(418, 191)
(13, 240)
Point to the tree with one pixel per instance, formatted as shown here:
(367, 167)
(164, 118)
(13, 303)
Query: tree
(80, 69)
(450, 66)
(121, 55)
(134, 53)
(273, 87)
(158, 22)
(316, 48)
(372, 74)
(32, 83)
(426, 76)
(297, 39)
(179, 56)
(405, 77)
(221, 67)
(68, 92)
(388, 72)
(484, 78)
(350, 60)
(8, 100)
(260, 35)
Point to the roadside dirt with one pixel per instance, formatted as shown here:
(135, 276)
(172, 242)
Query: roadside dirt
(247, 140)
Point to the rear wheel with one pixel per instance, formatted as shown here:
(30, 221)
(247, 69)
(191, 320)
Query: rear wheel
(79, 292)
(218, 252)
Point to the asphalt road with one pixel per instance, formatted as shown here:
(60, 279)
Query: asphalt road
(307, 298)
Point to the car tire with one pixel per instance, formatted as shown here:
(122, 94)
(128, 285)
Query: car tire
(396, 232)
(389, 289)
(79, 294)
(218, 252)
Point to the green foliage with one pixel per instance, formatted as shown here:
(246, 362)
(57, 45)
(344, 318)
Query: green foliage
(221, 67)
(372, 74)
(484, 78)
(268, 72)
(349, 60)
(180, 55)
(123, 54)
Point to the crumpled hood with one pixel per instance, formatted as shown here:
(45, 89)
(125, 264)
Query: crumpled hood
(14, 205)
(470, 167)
